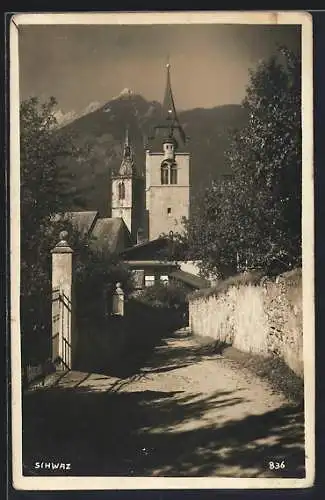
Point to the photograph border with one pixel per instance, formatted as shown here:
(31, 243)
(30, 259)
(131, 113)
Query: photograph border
(56, 483)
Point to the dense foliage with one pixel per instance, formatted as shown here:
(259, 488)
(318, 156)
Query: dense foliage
(164, 295)
(43, 192)
(46, 190)
(253, 218)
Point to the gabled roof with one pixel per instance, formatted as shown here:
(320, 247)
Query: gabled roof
(147, 250)
(110, 234)
(107, 234)
(190, 279)
(82, 221)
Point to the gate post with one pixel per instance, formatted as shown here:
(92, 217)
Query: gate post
(118, 301)
(62, 303)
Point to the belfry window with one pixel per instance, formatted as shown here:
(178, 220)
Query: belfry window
(173, 173)
(121, 191)
(168, 172)
(164, 171)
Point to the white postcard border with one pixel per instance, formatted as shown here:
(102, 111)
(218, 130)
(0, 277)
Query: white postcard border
(302, 18)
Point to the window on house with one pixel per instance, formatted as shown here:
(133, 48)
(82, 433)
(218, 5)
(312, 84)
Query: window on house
(164, 173)
(121, 191)
(164, 279)
(149, 281)
(173, 173)
(169, 211)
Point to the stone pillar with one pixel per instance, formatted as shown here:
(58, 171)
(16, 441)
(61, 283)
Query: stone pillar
(118, 301)
(62, 303)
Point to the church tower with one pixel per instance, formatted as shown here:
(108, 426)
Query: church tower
(167, 172)
(127, 191)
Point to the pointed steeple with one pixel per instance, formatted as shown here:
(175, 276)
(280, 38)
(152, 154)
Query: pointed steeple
(127, 164)
(169, 110)
(169, 120)
(126, 140)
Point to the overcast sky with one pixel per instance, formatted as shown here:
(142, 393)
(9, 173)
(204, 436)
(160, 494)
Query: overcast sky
(84, 64)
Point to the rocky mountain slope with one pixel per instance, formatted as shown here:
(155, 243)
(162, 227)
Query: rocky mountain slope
(101, 133)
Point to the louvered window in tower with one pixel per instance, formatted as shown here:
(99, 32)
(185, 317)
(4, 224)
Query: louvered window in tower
(164, 173)
(121, 191)
(173, 173)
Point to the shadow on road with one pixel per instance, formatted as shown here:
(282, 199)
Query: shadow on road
(138, 357)
(170, 354)
(149, 433)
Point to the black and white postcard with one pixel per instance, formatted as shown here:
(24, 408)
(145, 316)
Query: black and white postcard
(162, 250)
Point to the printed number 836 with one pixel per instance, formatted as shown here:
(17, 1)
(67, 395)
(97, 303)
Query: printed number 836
(277, 465)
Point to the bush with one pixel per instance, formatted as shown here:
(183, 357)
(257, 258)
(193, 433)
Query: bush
(96, 274)
(159, 295)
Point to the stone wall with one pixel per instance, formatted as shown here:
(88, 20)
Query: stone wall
(254, 314)
(121, 344)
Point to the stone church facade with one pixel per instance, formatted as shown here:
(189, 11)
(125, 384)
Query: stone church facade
(146, 207)
(156, 204)
(128, 192)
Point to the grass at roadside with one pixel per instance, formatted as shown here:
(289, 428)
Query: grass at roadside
(274, 370)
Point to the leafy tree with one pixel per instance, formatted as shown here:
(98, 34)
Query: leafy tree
(43, 174)
(256, 213)
(46, 190)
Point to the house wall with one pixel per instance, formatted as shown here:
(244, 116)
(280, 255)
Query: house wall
(158, 272)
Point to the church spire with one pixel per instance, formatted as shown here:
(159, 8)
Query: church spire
(127, 164)
(126, 141)
(169, 110)
(169, 119)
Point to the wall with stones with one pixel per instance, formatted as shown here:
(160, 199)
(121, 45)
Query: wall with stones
(254, 314)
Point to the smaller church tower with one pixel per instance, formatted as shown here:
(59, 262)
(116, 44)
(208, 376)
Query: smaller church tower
(127, 191)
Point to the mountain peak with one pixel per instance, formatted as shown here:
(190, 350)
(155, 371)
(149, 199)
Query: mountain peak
(125, 93)
(105, 128)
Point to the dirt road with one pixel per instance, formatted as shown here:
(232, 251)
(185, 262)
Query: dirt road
(188, 412)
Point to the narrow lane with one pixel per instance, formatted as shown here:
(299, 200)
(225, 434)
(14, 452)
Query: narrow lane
(188, 412)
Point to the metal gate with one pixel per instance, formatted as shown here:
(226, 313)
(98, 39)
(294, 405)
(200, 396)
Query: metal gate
(61, 329)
